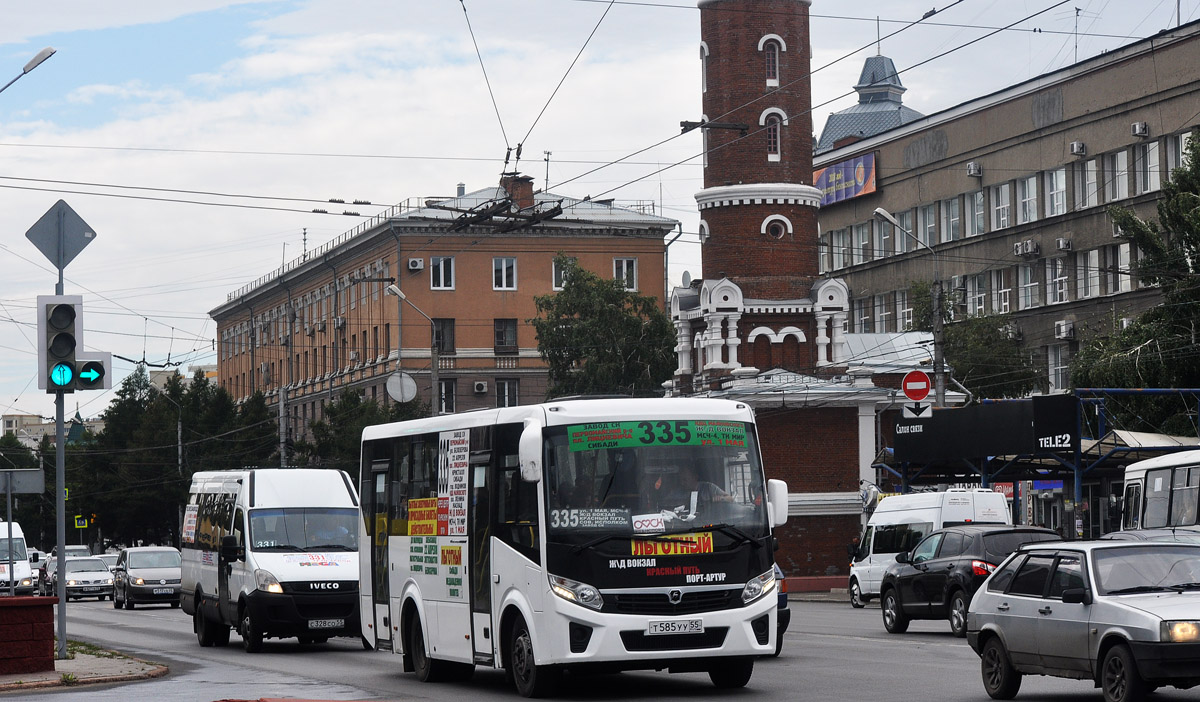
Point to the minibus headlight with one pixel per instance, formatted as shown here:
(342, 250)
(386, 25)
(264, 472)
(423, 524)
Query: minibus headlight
(267, 582)
(577, 592)
(759, 587)
(1180, 631)
(26, 581)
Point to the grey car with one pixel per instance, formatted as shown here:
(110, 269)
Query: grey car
(1123, 614)
(147, 575)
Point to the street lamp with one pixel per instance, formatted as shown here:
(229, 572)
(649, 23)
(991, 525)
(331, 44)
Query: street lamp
(179, 455)
(33, 63)
(939, 362)
(435, 399)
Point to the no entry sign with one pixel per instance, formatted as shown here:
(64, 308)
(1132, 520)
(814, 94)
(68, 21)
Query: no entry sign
(915, 385)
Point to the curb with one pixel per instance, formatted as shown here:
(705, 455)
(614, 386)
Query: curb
(157, 671)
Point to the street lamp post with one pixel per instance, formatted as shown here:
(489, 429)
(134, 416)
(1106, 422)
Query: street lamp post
(939, 361)
(178, 456)
(435, 394)
(33, 63)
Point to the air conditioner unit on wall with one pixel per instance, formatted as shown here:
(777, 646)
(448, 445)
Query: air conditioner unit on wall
(416, 264)
(339, 322)
(1078, 148)
(480, 386)
(975, 170)
(1018, 248)
(1029, 247)
(321, 326)
(1063, 244)
(1139, 129)
(1064, 329)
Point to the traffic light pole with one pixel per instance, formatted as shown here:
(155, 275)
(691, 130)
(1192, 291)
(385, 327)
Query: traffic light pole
(60, 490)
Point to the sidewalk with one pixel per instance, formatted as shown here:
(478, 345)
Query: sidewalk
(83, 669)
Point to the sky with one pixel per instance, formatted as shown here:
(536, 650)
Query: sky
(196, 138)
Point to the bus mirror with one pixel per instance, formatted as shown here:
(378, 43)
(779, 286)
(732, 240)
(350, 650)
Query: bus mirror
(530, 450)
(777, 499)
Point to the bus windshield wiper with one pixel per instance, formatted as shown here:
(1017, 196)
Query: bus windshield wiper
(728, 530)
(332, 547)
(280, 547)
(1139, 588)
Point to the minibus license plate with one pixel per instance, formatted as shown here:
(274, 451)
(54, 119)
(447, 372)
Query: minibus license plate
(326, 623)
(163, 591)
(678, 626)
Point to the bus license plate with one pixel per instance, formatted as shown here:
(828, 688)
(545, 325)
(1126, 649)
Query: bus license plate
(326, 623)
(676, 626)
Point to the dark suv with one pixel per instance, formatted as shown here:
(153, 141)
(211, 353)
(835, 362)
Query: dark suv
(937, 579)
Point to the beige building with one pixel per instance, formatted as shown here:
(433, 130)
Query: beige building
(472, 264)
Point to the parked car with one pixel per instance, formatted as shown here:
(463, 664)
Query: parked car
(1124, 614)
(937, 579)
(146, 574)
(783, 612)
(1182, 534)
(86, 577)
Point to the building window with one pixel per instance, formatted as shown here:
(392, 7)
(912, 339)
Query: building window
(507, 392)
(1056, 192)
(1059, 357)
(928, 232)
(1145, 164)
(1027, 200)
(1057, 281)
(951, 219)
(1002, 291)
(862, 315)
(883, 238)
(1087, 274)
(443, 335)
(447, 390)
(823, 253)
(625, 270)
(976, 223)
(883, 313)
(904, 312)
(506, 336)
(1087, 188)
(1116, 175)
(1029, 286)
(976, 295)
(862, 242)
(1177, 146)
(441, 271)
(504, 273)
(773, 147)
(904, 237)
(703, 68)
(558, 274)
(1120, 279)
(841, 248)
(1001, 207)
(771, 55)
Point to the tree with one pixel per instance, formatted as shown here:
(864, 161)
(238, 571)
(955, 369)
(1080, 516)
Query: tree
(599, 338)
(336, 436)
(1160, 348)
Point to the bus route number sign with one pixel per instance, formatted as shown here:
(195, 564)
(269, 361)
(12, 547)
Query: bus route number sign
(662, 432)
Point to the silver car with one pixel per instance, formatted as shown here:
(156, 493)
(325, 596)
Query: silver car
(1123, 614)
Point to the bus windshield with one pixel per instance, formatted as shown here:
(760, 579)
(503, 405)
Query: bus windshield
(14, 549)
(300, 529)
(652, 477)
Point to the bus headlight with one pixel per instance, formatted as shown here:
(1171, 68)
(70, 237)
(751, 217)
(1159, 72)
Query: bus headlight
(267, 582)
(758, 587)
(577, 592)
(1180, 632)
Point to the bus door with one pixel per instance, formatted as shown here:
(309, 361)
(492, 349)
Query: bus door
(480, 567)
(379, 552)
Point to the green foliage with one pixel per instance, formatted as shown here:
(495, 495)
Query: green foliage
(599, 338)
(336, 437)
(1160, 349)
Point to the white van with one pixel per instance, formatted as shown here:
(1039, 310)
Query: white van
(12, 545)
(271, 553)
(900, 521)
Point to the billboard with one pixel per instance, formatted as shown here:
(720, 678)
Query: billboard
(846, 180)
(1039, 424)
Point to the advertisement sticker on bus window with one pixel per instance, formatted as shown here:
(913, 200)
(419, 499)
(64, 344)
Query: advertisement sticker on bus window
(678, 545)
(588, 518)
(189, 524)
(649, 523)
(324, 560)
(422, 517)
(454, 461)
(602, 435)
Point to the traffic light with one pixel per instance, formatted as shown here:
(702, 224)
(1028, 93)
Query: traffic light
(59, 325)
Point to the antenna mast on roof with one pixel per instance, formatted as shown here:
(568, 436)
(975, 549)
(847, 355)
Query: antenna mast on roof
(547, 159)
(878, 40)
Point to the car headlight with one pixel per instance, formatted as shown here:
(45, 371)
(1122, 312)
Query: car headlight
(108, 581)
(758, 587)
(139, 581)
(577, 592)
(71, 582)
(1187, 631)
(267, 582)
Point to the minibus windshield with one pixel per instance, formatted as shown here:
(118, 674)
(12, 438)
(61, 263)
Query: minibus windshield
(301, 529)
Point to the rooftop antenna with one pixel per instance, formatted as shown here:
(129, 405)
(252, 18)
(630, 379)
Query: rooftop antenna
(1077, 11)
(304, 234)
(547, 160)
(878, 40)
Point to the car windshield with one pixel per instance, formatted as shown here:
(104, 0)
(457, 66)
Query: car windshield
(653, 477)
(86, 565)
(301, 529)
(1147, 567)
(154, 559)
(14, 549)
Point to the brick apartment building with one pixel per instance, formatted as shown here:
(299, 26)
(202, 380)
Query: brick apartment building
(473, 264)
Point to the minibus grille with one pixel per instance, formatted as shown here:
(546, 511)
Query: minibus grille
(713, 637)
(658, 603)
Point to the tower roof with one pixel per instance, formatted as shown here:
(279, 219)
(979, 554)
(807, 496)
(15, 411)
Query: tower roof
(880, 107)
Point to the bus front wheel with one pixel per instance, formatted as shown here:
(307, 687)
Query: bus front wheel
(530, 679)
(731, 674)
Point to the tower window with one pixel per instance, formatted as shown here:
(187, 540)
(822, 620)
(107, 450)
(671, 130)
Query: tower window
(773, 137)
(771, 54)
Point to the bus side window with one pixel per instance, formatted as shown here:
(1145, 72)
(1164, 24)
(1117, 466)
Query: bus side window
(1132, 518)
(1158, 498)
(517, 508)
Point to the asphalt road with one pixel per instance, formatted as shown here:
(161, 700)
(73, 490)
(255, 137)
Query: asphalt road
(832, 652)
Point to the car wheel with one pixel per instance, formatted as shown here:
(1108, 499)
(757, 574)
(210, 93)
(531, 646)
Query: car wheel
(252, 636)
(893, 617)
(530, 679)
(856, 598)
(1119, 678)
(732, 673)
(116, 602)
(128, 602)
(958, 614)
(1000, 680)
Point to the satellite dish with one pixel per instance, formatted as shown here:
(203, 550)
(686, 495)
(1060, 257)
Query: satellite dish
(687, 279)
(401, 387)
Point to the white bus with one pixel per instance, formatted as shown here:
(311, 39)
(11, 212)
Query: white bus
(609, 534)
(1162, 492)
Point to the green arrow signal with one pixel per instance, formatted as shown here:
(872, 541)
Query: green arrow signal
(90, 375)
